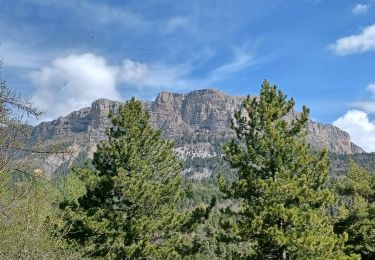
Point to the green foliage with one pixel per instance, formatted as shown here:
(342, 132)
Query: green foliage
(210, 241)
(281, 183)
(81, 161)
(340, 163)
(357, 211)
(71, 187)
(130, 208)
(28, 212)
(28, 216)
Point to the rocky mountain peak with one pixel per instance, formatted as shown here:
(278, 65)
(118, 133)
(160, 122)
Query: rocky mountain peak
(198, 118)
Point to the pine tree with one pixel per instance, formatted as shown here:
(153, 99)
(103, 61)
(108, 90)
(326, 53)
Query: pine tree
(357, 211)
(281, 184)
(130, 209)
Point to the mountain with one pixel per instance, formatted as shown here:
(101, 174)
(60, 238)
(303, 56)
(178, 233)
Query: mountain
(198, 122)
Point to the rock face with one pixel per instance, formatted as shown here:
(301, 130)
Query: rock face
(202, 110)
(332, 138)
(199, 119)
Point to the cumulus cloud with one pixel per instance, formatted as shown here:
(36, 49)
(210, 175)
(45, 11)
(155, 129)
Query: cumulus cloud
(357, 123)
(360, 9)
(73, 82)
(357, 43)
(367, 106)
(360, 128)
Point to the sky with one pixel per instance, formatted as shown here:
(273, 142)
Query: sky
(64, 54)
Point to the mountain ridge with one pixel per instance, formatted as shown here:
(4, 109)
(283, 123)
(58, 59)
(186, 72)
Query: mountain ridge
(200, 117)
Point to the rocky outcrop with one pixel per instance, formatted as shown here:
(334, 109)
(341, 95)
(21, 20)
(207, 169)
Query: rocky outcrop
(198, 119)
(330, 137)
(202, 110)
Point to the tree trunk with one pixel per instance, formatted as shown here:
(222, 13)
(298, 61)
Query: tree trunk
(283, 254)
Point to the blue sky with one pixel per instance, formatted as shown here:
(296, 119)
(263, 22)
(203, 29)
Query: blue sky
(65, 54)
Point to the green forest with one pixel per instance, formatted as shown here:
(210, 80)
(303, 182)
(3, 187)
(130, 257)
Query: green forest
(273, 198)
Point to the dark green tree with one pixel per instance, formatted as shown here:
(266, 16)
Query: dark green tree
(281, 183)
(130, 208)
(357, 211)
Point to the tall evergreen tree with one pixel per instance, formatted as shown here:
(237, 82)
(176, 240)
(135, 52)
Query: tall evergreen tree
(357, 210)
(281, 184)
(130, 208)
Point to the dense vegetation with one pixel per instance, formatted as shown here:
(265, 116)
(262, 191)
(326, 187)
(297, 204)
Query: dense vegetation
(270, 196)
(281, 184)
(340, 163)
(130, 207)
(357, 211)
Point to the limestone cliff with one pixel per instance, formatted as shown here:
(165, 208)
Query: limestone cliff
(199, 119)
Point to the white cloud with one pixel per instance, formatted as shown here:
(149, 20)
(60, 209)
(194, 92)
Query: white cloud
(73, 82)
(367, 106)
(360, 9)
(358, 43)
(360, 128)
